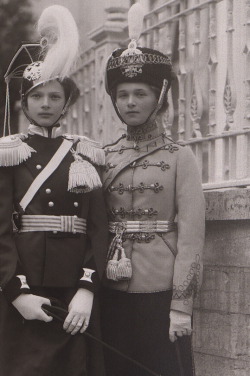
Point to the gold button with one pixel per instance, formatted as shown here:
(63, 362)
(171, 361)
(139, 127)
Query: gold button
(54, 232)
(75, 216)
(74, 231)
(51, 204)
(76, 204)
(38, 167)
(48, 191)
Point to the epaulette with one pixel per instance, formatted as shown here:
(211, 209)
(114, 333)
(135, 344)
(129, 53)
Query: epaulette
(13, 150)
(88, 148)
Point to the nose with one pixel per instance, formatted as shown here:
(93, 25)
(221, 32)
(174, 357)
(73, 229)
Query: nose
(45, 102)
(131, 101)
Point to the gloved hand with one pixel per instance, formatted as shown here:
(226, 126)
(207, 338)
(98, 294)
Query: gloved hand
(180, 324)
(29, 306)
(80, 309)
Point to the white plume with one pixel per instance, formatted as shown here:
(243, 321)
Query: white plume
(135, 21)
(58, 29)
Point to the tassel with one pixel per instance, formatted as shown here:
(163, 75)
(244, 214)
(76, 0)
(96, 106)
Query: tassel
(124, 268)
(92, 150)
(14, 151)
(112, 267)
(82, 174)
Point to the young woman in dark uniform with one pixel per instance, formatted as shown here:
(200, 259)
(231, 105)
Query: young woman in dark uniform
(57, 255)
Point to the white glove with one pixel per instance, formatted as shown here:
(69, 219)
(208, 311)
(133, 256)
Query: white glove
(29, 306)
(180, 324)
(79, 314)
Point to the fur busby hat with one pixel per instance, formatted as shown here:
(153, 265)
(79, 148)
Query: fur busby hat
(54, 57)
(137, 64)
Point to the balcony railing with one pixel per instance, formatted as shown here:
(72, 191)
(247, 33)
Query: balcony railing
(209, 44)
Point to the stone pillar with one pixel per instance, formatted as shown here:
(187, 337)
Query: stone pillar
(107, 126)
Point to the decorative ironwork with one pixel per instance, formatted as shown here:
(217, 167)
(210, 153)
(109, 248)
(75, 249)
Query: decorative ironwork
(133, 213)
(212, 63)
(229, 97)
(182, 73)
(156, 187)
(196, 109)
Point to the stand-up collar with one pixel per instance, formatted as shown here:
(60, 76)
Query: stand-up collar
(49, 132)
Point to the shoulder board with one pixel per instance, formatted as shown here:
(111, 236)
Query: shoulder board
(89, 148)
(13, 150)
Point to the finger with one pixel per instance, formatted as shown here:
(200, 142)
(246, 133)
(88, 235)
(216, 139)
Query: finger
(85, 325)
(67, 321)
(179, 333)
(77, 328)
(172, 336)
(44, 317)
(72, 326)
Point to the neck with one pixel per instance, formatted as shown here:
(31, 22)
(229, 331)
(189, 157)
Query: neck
(49, 132)
(142, 132)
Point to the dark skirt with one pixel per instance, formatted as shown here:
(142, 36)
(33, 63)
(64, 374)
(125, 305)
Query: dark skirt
(36, 348)
(137, 325)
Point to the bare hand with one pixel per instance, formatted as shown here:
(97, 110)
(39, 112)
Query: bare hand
(29, 306)
(80, 309)
(180, 325)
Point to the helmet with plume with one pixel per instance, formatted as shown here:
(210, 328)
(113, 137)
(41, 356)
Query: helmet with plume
(138, 64)
(54, 57)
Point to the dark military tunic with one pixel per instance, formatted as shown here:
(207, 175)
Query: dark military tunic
(53, 263)
(152, 185)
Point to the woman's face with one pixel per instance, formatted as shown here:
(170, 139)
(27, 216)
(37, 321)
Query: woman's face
(45, 103)
(135, 102)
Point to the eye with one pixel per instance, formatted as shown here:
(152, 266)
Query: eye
(141, 94)
(56, 96)
(35, 95)
(122, 95)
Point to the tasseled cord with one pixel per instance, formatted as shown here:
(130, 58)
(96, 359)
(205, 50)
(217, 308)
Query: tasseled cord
(119, 267)
(83, 177)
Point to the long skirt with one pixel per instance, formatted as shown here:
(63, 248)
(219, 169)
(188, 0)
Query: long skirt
(37, 348)
(137, 324)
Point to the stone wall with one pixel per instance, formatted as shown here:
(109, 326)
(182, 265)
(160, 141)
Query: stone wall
(222, 309)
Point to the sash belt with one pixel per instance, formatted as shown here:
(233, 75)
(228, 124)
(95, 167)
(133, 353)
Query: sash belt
(141, 226)
(61, 223)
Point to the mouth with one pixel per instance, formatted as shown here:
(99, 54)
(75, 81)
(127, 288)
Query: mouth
(132, 112)
(45, 114)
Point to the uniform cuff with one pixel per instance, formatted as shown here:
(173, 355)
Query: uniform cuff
(89, 280)
(182, 305)
(15, 287)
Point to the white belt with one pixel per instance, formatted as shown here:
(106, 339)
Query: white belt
(61, 223)
(141, 226)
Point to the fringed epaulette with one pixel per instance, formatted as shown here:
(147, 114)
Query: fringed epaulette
(13, 150)
(88, 148)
